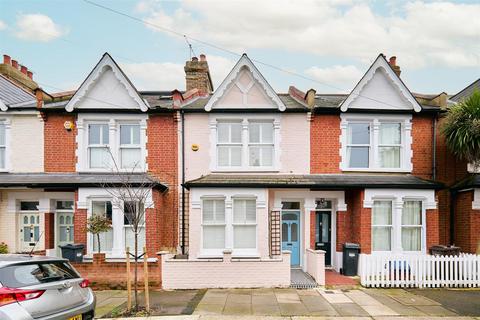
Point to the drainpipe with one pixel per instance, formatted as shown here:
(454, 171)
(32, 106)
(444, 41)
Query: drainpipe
(434, 151)
(183, 181)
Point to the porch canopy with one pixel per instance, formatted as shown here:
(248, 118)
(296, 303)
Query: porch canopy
(75, 180)
(314, 181)
(472, 181)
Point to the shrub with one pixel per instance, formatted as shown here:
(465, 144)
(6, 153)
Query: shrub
(3, 248)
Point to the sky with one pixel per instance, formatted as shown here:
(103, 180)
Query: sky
(325, 44)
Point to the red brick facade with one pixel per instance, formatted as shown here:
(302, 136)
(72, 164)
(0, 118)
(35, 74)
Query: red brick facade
(422, 146)
(49, 230)
(163, 164)
(59, 145)
(325, 143)
(467, 223)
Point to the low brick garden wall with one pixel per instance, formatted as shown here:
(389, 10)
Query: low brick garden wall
(105, 275)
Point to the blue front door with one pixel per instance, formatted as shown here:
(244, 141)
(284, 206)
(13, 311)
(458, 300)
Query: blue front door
(291, 234)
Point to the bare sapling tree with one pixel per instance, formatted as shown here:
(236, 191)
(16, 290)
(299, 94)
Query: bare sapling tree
(131, 191)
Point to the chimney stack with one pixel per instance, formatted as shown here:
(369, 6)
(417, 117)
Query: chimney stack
(17, 73)
(393, 64)
(6, 59)
(197, 75)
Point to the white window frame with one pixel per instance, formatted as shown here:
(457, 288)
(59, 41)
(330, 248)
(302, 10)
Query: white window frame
(229, 225)
(244, 251)
(94, 237)
(422, 226)
(375, 121)
(142, 227)
(245, 120)
(6, 122)
(114, 122)
(219, 251)
(99, 145)
(132, 145)
(391, 226)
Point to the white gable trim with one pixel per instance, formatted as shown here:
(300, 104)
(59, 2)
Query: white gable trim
(244, 61)
(380, 62)
(106, 61)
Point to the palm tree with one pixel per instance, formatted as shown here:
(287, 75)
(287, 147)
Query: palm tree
(462, 129)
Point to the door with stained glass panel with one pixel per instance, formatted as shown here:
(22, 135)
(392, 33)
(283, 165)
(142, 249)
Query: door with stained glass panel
(29, 230)
(65, 229)
(291, 235)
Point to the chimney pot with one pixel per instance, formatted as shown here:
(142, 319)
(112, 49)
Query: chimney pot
(15, 64)
(203, 57)
(393, 61)
(30, 74)
(23, 70)
(194, 59)
(6, 59)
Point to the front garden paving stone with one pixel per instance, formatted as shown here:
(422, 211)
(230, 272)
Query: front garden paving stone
(350, 310)
(362, 299)
(292, 309)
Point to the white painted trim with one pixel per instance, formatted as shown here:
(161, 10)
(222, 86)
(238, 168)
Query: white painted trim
(375, 120)
(476, 199)
(7, 122)
(276, 118)
(114, 122)
(3, 106)
(381, 63)
(105, 63)
(244, 61)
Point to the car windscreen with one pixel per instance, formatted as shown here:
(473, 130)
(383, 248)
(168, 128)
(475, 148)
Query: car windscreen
(22, 275)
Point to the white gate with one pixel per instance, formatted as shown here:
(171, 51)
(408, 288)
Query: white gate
(404, 270)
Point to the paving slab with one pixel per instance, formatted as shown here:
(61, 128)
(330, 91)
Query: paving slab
(287, 297)
(266, 309)
(409, 299)
(350, 310)
(203, 309)
(263, 292)
(307, 292)
(422, 318)
(334, 296)
(393, 304)
(328, 318)
(316, 304)
(362, 299)
(465, 302)
(293, 309)
(379, 310)
(237, 298)
(264, 300)
(237, 309)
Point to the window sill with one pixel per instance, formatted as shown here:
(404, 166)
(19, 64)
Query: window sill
(380, 170)
(110, 171)
(242, 170)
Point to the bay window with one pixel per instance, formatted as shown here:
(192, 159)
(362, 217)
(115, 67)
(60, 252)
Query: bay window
(130, 149)
(98, 146)
(213, 223)
(378, 143)
(244, 144)
(412, 226)
(103, 208)
(382, 226)
(3, 145)
(244, 224)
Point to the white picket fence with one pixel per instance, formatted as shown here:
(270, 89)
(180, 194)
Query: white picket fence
(420, 271)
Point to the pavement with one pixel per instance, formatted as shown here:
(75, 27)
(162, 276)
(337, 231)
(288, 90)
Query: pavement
(310, 304)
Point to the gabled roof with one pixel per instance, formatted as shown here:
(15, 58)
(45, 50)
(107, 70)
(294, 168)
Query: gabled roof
(104, 64)
(381, 64)
(467, 92)
(12, 95)
(244, 61)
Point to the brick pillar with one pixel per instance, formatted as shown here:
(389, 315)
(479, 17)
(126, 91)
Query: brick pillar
(80, 224)
(341, 228)
(49, 218)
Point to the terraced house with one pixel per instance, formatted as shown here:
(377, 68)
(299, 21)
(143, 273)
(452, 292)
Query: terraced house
(245, 184)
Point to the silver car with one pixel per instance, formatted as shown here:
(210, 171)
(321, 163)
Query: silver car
(41, 288)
